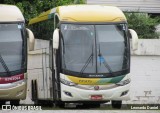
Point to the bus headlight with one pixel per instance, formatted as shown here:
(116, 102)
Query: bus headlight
(63, 81)
(122, 83)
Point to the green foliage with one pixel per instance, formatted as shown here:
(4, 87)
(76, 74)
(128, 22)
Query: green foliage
(32, 8)
(43, 30)
(143, 24)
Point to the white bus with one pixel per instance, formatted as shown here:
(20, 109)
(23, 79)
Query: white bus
(13, 54)
(89, 56)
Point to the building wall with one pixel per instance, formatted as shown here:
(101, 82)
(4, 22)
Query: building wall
(148, 47)
(149, 6)
(145, 80)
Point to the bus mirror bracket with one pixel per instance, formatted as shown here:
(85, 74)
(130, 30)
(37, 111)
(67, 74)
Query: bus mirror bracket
(56, 39)
(31, 39)
(134, 40)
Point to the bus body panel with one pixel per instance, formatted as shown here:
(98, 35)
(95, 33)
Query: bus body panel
(84, 92)
(7, 16)
(45, 88)
(15, 90)
(10, 13)
(83, 15)
(85, 95)
(91, 13)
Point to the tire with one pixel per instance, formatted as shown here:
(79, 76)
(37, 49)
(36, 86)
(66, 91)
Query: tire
(116, 104)
(14, 102)
(49, 104)
(61, 104)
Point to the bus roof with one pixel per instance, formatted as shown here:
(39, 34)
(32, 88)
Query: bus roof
(10, 13)
(83, 13)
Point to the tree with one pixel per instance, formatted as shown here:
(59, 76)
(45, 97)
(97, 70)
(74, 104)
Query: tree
(32, 8)
(143, 24)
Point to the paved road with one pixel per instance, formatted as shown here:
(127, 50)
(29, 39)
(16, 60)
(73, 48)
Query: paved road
(83, 111)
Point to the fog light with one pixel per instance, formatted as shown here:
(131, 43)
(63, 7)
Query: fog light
(68, 93)
(124, 93)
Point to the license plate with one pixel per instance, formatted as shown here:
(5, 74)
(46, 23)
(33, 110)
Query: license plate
(96, 97)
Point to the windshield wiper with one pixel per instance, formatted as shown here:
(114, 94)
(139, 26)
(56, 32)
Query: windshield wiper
(88, 61)
(104, 61)
(4, 65)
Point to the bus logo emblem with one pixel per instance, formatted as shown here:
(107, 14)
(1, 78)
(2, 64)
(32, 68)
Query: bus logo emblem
(96, 87)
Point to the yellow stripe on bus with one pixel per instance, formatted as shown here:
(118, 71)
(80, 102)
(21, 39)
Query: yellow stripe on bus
(41, 17)
(88, 81)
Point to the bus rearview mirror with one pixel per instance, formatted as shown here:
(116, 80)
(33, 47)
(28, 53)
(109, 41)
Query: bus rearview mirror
(134, 40)
(56, 39)
(31, 39)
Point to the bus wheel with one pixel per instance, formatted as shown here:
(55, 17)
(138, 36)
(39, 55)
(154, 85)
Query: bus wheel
(61, 104)
(14, 102)
(116, 104)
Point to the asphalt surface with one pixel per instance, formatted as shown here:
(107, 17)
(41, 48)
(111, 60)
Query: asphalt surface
(83, 111)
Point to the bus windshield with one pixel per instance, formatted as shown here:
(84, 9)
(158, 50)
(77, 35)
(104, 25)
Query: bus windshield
(94, 49)
(11, 49)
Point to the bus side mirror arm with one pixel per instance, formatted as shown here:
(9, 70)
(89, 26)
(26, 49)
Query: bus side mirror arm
(134, 40)
(31, 39)
(56, 39)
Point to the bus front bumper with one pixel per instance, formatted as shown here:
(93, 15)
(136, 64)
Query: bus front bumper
(71, 93)
(13, 91)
